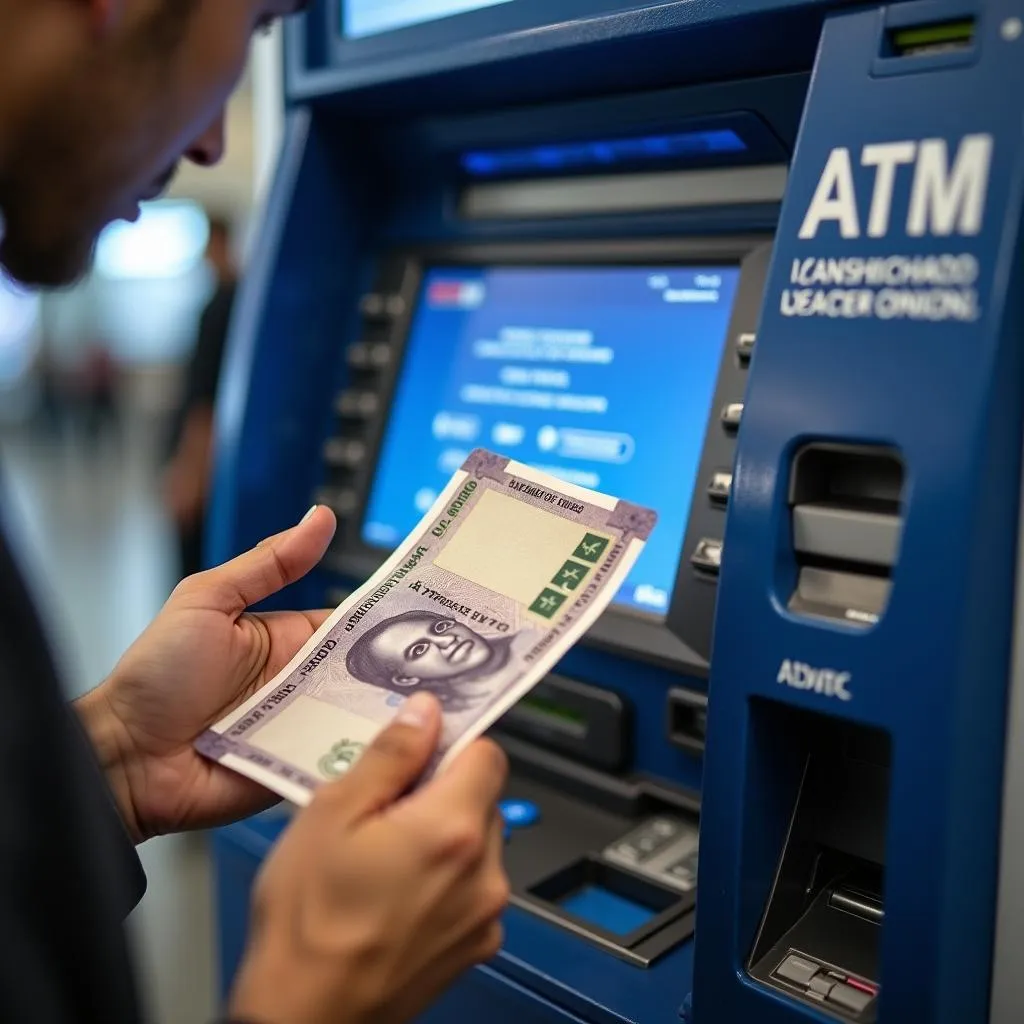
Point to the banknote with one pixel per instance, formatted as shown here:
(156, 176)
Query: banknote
(500, 578)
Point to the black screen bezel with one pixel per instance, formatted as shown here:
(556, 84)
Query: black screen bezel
(622, 630)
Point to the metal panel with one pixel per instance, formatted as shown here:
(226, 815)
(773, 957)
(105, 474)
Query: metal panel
(1007, 1005)
(623, 193)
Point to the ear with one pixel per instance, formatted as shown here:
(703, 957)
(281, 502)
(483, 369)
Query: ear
(405, 681)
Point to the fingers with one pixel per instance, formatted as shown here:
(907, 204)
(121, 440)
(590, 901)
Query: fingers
(475, 778)
(454, 814)
(319, 617)
(271, 565)
(316, 618)
(391, 764)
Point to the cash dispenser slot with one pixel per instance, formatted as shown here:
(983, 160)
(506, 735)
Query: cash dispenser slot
(820, 934)
(846, 511)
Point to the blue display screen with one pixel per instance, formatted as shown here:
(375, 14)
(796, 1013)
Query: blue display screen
(371, 17)
(601, 376)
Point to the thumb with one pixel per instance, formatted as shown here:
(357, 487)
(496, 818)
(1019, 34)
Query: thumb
(391, 764)
(265, 569)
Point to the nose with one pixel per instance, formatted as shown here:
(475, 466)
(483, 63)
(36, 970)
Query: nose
(208, 149)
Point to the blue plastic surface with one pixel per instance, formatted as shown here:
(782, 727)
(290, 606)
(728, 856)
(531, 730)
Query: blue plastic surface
(607, 910)
(377, 146)
(945, 393)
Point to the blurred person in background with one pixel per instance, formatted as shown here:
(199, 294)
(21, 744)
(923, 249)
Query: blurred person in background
(98, 386)
(378, 895)
(188, 474)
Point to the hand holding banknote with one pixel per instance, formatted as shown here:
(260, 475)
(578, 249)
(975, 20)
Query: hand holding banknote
(368, 908)
(501, 577)
(202, 655)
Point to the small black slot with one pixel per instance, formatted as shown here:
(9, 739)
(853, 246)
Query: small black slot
(866, 479)
(688, 719)
(826, 902)
(815, 561)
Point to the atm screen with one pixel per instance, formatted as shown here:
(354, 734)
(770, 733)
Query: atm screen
(601, 376)
(370, 17)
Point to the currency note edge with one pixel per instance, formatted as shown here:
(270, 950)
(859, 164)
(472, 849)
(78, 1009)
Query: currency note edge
(299, 794)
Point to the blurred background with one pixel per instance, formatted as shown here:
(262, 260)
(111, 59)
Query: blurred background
(106, 395)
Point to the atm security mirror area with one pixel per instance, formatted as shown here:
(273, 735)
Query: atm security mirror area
(756, 267)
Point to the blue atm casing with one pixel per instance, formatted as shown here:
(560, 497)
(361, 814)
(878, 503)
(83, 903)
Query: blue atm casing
(850, 654)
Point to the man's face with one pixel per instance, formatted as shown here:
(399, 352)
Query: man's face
(110, 130)
(426, 647)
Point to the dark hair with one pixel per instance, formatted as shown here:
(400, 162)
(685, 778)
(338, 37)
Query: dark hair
(362, 663)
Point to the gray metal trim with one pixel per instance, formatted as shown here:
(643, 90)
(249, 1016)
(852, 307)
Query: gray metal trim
(846, 534)
(852, 598)
(624, 193)
(1007, 1005)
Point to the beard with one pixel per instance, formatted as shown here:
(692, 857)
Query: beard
(50, 232)
(78, 159)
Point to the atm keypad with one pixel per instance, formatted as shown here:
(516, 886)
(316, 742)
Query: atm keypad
(648, 840)
(684, 872)
(664, 848)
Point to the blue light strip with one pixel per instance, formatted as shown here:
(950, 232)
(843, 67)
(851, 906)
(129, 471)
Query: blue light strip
(580, 155)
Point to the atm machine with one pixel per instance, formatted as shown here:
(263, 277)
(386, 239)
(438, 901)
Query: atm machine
(756, 264)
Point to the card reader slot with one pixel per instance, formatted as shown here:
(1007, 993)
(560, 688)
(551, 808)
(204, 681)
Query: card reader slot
(846, 509)
(860, 904)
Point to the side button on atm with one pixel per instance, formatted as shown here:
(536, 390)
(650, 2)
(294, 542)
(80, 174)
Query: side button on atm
(341, 499)
(342, 453)
(365, 355)
(381, 307)
(707, 556)
(731, 415)
(745, 346)
(357, 404)
(721, 484)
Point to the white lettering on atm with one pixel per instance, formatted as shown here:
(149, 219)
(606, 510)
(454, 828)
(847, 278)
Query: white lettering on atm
(826, 681)
(944, 199)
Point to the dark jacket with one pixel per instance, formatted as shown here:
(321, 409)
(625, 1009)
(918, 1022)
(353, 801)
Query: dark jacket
(69, 874)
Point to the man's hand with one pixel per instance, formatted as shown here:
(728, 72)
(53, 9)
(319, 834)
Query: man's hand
(375, 901)
(202, 656)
